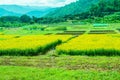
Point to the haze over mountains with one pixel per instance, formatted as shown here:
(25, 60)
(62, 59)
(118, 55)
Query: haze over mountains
(17, 10)
(73, 8)
(4, 12)
(39, 11)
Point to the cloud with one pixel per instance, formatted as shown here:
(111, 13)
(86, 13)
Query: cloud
(38, 2)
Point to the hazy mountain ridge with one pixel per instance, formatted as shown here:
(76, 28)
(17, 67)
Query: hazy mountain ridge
(18, 10)
(37, 13)
(4, 12)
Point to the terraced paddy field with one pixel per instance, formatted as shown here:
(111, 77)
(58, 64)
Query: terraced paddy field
(91, 31)
(60, 57)
(87, 44)
(29, 45)
(71, 33)
(91, 45)
(102, 32)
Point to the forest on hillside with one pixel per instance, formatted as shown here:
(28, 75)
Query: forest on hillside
(95, 11)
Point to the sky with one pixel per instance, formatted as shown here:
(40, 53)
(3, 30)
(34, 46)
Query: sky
(51, 3)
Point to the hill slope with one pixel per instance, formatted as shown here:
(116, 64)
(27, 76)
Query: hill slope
(73, 8)
(4, 12)
(36, 11)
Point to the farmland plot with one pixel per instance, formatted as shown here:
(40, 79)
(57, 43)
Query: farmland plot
(94, 44)
(102, 32)
(72, 33)
(29, 45)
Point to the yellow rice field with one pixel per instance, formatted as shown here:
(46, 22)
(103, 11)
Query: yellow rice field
(92, 45)
(29, 44)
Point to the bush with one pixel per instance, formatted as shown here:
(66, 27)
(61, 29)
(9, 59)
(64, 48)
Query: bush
(34, 27)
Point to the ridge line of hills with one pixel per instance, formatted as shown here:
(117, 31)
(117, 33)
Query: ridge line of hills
(18, 10)
(88, 10)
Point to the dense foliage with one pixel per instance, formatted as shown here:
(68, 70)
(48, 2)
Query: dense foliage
(91, 11)
(98, 11)
(14, 21)
(73, 8)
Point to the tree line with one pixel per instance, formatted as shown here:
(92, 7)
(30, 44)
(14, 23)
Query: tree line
(15, 21)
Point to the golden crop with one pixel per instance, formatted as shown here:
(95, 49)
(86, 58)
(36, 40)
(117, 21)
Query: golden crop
(87, 43)
(4, 37)
(30, 42)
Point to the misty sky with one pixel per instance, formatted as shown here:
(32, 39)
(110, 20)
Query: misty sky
(51, 3)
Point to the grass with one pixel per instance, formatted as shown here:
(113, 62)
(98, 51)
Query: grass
(20, 31)
(54, 28)
(97, 63)
(25, 73)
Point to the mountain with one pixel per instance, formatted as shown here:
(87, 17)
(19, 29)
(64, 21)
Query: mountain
(100, 11)
(16, 8)
(73, 8)
(36, 11)
(4, 12)
(39, 13)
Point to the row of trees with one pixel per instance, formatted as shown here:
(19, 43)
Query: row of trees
(14, 21)
(23, 19)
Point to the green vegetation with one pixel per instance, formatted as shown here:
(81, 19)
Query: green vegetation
(54, 66)
(51, 60)
(73, 8)
(92, 11)
(15, 73)
(20, 73)
(79, 41)
(61, 28)
(11, 21)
